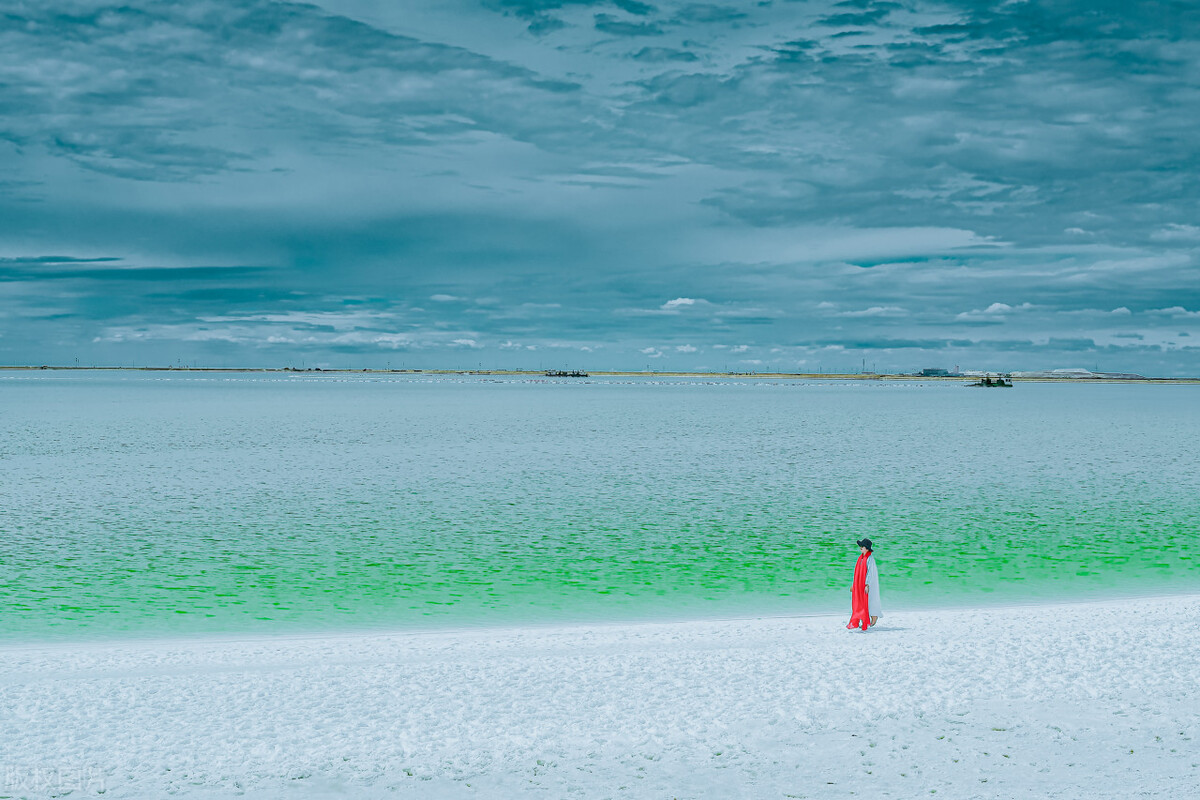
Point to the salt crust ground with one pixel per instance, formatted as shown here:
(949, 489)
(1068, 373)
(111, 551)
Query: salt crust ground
(1073, 701)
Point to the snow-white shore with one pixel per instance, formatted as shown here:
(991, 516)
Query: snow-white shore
(1095, 700)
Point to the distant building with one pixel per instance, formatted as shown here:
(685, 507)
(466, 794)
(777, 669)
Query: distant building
(935, 373)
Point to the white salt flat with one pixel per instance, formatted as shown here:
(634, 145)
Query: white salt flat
(1094, 700)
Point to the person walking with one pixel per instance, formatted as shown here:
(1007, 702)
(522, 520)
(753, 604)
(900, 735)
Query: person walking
(865, 608)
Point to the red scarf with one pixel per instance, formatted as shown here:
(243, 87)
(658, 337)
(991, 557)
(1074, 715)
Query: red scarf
(859, 614)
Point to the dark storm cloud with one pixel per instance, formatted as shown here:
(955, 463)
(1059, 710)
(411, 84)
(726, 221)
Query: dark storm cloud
(1051, 125)
(1009, 184)
(542, 16)
(607, 23)
(864, 18)
(707, 13)
(653, 54)
(35, 261)
(46, 268)
(160, 93)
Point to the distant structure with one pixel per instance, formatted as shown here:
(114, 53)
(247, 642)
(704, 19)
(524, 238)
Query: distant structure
(561, 373)
(998, 382)
(1080, 374)
(935, 373)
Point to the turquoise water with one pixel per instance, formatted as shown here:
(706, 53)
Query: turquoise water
(139, 503)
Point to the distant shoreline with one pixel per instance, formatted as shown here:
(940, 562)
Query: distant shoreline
(827, 376)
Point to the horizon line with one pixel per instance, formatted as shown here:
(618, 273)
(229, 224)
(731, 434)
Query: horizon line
(1044, 376)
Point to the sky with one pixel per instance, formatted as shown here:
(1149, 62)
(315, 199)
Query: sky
(601, 184)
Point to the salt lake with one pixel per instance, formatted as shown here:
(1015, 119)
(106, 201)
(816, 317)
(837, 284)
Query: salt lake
(144, 503)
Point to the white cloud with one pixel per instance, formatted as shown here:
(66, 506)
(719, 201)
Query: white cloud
(258, 335)
(393, 341)
(444, 298)
(682, 302)
(671, 307)
(795, 245)
(1174, 232)
(652, 352)
(876, 311)
(993, 313)
(685, 348)
(747, 311)
(338, 320)
(914, 86)
(741, 348)
(1005, 308)
(465, 343)
(1121, 312)
(1175, 311)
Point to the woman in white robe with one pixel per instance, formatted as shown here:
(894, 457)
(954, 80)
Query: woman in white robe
(865, 608)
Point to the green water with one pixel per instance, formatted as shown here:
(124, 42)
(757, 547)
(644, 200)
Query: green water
(138, 504)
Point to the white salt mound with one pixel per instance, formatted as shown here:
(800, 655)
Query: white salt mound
(1087, 700)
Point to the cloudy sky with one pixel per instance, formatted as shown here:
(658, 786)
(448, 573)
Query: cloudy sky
(601, 184)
